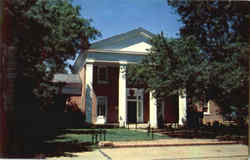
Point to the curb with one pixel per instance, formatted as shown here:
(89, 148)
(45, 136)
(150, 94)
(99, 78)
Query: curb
(167, 145)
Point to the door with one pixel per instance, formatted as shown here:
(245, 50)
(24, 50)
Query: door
(101, 110)
(131, 114)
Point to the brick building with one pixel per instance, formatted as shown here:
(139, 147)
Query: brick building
(107, 97)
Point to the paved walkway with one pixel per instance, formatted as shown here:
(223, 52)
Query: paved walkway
(204, 152)
(161, 149)
(165, 142)
(93, 155)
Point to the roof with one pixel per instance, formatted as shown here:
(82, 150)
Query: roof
(114, 51)
(121, 37)
(122, 44)
(67, 78)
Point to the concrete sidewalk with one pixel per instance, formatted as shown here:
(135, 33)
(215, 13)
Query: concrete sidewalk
(161, 149)
(164, 142)
(93, 155)
(203, 152)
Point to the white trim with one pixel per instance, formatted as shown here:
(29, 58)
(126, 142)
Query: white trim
(208, 108)
(139, 118)
(102, 119)
(118, 39)
(152, 111)
(123, 62)
(182, 107)
(137, 100)
(89, 92)
(90, 61)
(115, 51)
(122, 98)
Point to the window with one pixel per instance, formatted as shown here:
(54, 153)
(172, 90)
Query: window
(101, 106)
(102, 74)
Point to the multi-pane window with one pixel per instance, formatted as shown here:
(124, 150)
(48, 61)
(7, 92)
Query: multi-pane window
(102, 74)
(101, 105)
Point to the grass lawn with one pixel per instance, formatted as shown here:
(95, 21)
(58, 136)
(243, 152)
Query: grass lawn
(116, 134)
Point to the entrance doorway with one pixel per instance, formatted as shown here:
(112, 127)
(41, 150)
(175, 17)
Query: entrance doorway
(131, 114)
(135, 105)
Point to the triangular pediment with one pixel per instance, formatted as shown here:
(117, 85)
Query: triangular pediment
(137, 40)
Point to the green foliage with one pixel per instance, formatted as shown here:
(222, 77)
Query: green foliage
(172, 64)
(209, 59)
(220, 29)
(46, 34)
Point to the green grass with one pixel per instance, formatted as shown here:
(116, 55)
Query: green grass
(117, 134)
(122, 134)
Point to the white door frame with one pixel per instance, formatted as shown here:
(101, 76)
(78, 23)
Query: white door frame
(102, 119)
(137, 100)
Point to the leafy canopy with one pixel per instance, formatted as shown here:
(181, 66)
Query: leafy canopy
(171, 65)
(46, 33)
(209, 59)
(220, 28)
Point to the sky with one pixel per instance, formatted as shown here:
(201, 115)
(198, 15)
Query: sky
(112, 17)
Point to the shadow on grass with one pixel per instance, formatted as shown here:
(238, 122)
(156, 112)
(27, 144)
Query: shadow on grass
(40, 135)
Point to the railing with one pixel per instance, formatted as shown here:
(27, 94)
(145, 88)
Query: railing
(98, 135)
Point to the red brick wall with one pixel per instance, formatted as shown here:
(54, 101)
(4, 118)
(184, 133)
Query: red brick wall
(171, 109)
(110, 90)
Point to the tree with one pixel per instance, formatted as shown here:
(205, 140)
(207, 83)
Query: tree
(171, 65)
(45, 34)
(220, 29)
(209, 59)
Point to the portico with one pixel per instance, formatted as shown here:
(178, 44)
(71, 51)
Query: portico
(107, 96)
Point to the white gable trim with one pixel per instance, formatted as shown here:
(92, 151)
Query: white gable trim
(141, 47)
(91, 61)
(120, 38)
(130, 46)
(115, 51)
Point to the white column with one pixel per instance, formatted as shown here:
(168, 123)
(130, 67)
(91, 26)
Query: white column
(89, 92)
(182, 107)
(152, 111)
(122, 104)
